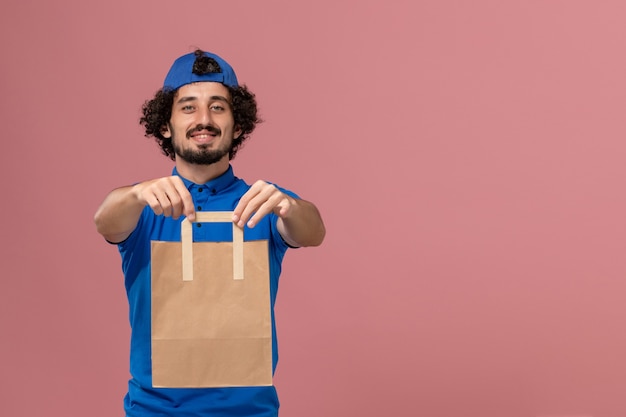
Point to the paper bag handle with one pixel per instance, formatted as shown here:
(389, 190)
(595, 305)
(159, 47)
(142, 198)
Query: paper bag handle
(186, 237)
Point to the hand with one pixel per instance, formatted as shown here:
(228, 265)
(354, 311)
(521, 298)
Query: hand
(167, 196)
(260, 200)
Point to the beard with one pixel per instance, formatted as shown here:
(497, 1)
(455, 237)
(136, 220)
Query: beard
(203, 155)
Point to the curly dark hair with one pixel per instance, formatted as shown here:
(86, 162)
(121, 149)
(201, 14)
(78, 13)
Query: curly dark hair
(158, 111)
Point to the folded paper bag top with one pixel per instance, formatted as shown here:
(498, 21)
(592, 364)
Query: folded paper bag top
(186, 235)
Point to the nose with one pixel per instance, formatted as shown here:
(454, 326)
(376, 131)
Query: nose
(204, 116)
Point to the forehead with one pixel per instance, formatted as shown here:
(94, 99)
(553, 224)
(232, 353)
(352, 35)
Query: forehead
(203, 90)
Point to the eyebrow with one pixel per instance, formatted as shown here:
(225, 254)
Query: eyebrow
(187, 99)
(220, 98)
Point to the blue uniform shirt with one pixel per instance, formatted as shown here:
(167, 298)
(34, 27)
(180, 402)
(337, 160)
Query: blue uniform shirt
(220, 194)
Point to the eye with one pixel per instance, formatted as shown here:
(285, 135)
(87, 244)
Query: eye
(187, 108)
(217, 108)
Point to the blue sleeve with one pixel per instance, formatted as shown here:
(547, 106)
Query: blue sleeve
(135, 250)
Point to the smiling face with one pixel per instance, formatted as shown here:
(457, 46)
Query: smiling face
(202, 126)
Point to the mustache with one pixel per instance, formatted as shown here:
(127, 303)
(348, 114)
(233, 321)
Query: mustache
(210, 128)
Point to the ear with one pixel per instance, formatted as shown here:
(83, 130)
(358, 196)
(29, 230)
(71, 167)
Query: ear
(165, 131)
(238, 131)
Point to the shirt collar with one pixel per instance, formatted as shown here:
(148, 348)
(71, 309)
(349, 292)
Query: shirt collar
(218, 184)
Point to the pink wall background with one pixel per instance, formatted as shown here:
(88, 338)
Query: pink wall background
(468, 158)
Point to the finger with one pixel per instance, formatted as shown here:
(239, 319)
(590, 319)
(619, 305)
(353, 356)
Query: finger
(283, 208)
(186, 201)
(174, 206)
(257, 215)
(269, 200)
(277, 203)
(153, 202)
(164, 196)
(164, 202)
(260, 206)
(243, 210)
(177, 193)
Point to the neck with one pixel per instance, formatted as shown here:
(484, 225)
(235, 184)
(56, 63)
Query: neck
(201, 174)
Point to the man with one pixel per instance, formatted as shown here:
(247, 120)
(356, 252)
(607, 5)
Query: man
(200, 119)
